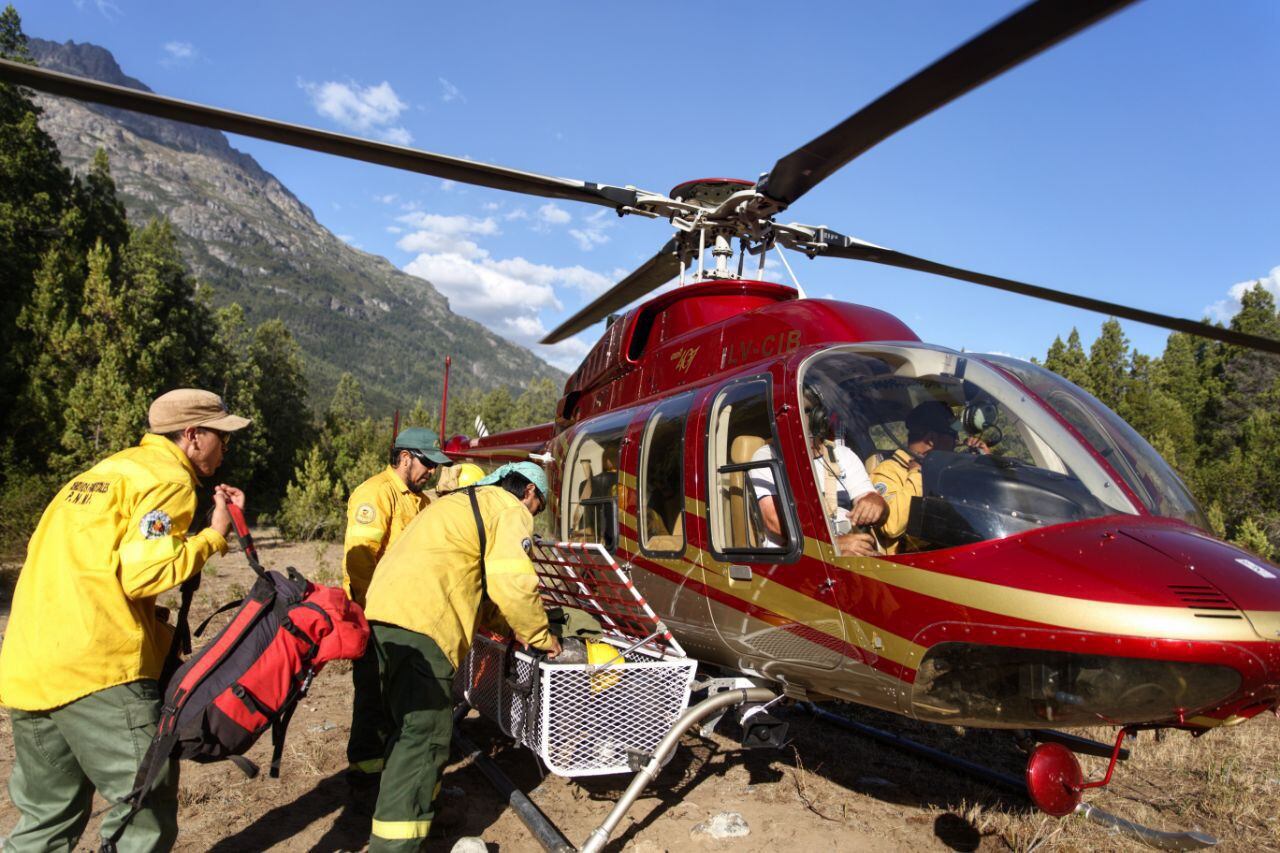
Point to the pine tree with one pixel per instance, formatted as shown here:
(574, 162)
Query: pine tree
(313, 502)
(1249, 377)
(286, 424)
(105, 405)
(1068, 360)
(1109, 365)
(35, 193)
(1250, 536)
(102, 214)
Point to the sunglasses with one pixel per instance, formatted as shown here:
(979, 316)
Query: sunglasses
(422, 457)
(223, 437)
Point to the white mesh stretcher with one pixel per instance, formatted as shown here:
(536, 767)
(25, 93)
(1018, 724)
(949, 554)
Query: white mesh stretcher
(583, 719)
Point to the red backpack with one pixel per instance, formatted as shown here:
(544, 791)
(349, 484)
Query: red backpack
(252, 675)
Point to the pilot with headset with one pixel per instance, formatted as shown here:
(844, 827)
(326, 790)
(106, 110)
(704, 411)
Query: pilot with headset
(849, 499)
(930, 426)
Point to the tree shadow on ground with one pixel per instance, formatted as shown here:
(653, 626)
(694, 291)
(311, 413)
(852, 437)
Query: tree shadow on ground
(350, 831)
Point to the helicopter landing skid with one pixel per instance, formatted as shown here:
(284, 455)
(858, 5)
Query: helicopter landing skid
(1137, 832)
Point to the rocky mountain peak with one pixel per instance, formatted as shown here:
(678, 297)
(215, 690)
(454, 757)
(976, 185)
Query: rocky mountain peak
(250, 238)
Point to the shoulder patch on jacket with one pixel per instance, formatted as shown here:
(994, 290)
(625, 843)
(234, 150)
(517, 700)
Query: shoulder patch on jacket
(366, 513)
(155, 524)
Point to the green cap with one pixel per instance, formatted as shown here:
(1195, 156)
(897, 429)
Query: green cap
(531, 472)
(425, 441)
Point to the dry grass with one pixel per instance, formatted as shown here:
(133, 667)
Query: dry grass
(1225, 783)
(828, 790)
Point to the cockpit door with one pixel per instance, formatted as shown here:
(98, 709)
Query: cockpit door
(769, 601)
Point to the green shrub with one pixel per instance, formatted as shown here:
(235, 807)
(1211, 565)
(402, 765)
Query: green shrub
(313, 506)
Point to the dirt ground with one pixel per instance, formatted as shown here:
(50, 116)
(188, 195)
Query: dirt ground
(826, 790)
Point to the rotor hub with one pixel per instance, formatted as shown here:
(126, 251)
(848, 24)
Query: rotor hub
(709, 192)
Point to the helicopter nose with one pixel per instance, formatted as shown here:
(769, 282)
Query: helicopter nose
(1224, 580)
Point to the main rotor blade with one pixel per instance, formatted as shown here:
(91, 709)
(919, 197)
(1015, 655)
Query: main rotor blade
(840, 246)
(1019, 37)
(654, 272)
(353, 147)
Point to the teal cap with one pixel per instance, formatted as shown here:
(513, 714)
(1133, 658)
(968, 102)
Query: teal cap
(424, 441)
(530, 471)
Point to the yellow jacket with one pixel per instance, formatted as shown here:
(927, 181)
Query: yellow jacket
(379, 510)
(897, 483)
(429, 580)
(84, 613)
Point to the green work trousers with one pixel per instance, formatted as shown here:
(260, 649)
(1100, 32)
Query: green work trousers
(98, 741)
(417, 687)
(366, 747)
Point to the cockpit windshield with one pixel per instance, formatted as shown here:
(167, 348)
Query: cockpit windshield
(1146, 474)
(961, 453)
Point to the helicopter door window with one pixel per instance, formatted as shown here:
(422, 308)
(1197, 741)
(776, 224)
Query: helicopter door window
(751, 511)
(661, 513)
(592, 494)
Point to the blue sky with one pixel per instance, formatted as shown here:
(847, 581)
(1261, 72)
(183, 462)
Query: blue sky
(1135, 162)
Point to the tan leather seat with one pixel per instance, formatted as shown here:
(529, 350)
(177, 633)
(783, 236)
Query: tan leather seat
(672, 541)
(742, 531)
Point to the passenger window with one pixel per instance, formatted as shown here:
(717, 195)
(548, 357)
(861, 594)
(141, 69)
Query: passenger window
(592, 478)
(661, 512)
(750, 508)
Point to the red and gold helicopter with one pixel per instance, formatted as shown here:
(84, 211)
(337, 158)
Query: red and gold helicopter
(1063, 579)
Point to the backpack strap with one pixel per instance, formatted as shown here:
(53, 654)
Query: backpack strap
(181, 643)
(223, 609)
(484, 545)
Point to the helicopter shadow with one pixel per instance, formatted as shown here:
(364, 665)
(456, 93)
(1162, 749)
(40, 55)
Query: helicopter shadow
(854, 763)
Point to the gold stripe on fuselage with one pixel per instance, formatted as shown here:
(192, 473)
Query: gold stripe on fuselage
(1053, 611)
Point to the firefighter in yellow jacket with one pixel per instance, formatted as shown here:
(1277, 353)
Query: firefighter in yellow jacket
(930, 426)
(379, 510)
(85, 645)
(423, 606)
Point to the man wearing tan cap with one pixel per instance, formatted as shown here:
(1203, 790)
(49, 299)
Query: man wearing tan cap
(84, 648)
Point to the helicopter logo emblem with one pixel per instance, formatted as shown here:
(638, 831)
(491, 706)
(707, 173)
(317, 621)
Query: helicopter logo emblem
(684, 358)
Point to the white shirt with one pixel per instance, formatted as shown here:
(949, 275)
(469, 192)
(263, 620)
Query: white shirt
(854, 481)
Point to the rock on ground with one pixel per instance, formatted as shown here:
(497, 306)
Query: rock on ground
(723, 825)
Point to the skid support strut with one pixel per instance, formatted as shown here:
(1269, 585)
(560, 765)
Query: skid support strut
(1134, 831)
(596, 841)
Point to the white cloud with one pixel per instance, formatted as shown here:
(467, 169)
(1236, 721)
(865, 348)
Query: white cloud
(106, 8)
(389, 198)
(552, 214)
(506, 295)
(566, 355)
(481, 289)
(1224, 309)
(592, 233)
(367, 110)
(491, 205)
(394, 229)
(450, 93)
(179, 53)
(518, 213)
(446, 235)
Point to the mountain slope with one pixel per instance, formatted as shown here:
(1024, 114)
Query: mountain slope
(245, 234)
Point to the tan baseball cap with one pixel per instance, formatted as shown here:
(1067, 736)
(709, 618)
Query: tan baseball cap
(188, 407)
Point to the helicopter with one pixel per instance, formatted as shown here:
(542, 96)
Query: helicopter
(1062, 579)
